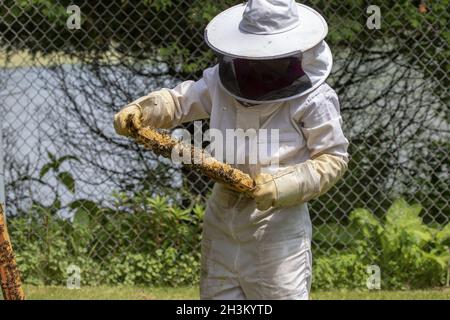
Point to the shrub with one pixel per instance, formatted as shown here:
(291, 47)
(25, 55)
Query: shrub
(141, 240)
(409, 253)
(145, 240)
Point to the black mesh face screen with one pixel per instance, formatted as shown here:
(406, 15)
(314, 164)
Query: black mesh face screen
(263, 80)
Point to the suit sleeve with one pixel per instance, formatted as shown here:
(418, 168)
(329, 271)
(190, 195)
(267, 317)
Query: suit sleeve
(191, 101)
(168, 108)
(321, 125)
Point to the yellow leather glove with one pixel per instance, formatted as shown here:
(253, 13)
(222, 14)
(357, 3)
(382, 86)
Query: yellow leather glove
(265, 193)
(156, 110)
(121, 119)
(299, 183)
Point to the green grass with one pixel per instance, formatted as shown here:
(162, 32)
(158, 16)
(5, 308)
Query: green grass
(111, 293)
(436, 294)
(136, 293)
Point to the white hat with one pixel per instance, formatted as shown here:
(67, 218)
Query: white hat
(266, 29)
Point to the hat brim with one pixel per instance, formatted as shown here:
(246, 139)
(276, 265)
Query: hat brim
(224, 36)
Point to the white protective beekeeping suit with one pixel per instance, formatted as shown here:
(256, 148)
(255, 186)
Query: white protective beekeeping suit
(260, 248)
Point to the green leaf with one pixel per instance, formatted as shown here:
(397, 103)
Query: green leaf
(442, 260)
(81, 218)
(63, 159)
(88, 205)
(444, 234)
(51, 156)
(46, 168)
(56, 205)
(68, 181)
(366, 222)
(402, 214)
(199, 211)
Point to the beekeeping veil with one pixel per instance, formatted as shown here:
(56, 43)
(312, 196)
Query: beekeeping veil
(270, 50)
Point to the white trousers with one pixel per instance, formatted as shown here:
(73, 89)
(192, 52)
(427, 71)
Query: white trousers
(251, 254)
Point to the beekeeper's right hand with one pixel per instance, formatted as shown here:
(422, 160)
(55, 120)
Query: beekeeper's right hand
(155, 110)
(121, 119)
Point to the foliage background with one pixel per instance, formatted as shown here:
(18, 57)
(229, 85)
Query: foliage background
(76, 193)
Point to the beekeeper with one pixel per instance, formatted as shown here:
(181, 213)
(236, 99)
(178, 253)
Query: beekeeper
(273, 63)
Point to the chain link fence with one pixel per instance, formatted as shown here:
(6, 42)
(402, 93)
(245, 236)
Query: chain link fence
(78, 194)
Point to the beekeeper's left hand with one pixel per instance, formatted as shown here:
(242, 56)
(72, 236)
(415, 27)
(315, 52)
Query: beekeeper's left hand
(265, 193)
